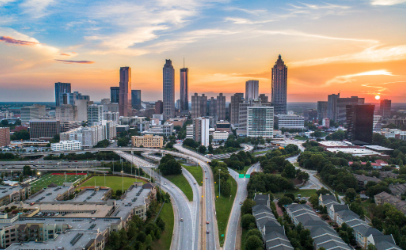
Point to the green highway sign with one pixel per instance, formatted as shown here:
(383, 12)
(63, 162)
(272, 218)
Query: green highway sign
(222, 235)
(247, 176)
(241, 176)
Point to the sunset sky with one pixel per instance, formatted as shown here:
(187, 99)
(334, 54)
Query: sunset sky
(355, 47)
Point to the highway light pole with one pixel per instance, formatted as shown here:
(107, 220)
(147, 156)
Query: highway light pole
(219, 182)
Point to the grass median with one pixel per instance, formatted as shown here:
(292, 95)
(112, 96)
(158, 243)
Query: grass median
(197, 172)
(113, 182)
(223, 208)
(181, 182)
(166, 237)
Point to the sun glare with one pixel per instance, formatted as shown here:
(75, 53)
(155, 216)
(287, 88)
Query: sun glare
(377, 97)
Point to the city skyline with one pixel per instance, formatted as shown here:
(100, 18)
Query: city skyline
(42, 45)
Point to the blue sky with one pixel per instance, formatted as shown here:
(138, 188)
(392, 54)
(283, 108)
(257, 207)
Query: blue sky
(356, 47)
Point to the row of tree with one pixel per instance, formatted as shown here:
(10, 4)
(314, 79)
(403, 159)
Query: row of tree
(220, 171)
(240, 160)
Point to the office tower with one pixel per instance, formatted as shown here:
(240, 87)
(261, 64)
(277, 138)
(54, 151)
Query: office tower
(332, 106)
(263, 98)
(66, 113)
(385, 108)
(177, 104)
(260, 121)
(184, 89)
(341, 108)
(236, 99)
(251, 89)
(213, 107)
(360, 119)
(124, 101)
(279, 86)
(111, 116)
(377, 126)
(4, 136)
(169, 90)
(94, 114)
(243, 114)
(71, 98)
(105, 101)
(29, 113)
(221, 107)
(44, 130)
(201, 130)
(322, 110)
(114, 94)
(159, 107)
(60, 89)
(289, 121)
(136, 99)
(199, 106)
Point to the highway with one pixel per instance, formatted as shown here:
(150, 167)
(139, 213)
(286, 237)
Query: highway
(235, 215)
(227, 155)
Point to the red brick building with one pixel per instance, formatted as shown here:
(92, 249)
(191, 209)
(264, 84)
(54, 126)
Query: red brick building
(4, 137)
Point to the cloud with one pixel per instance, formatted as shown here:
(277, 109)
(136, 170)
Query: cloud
(371, 54)
(237, 20)
(73, 61)
(36, 8)
(349, 78)
(11, 40)
(68, 54)
(4, 2)
(252, 12)
(327, 6)
(387, 2)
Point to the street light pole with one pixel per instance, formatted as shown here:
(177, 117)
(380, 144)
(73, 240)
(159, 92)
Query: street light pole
(219, 182)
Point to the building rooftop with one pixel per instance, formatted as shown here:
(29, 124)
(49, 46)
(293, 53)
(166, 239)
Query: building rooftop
(335, 143)
(90, 195)
(378, 148)
(50, 194)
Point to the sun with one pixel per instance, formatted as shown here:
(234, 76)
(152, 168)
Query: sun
(377, 97)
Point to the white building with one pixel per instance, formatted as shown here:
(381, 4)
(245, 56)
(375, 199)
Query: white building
(260, 121)
(289, 121)
(164, 130)
(189, 131)
(66, 113)
(220, 136)
(377, 125)
(66, 146)
(94, 114)
(111, 116)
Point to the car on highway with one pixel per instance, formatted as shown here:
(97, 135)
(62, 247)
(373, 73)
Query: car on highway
(207, 232)
(240, 202)
(207, 222)
(181, 219)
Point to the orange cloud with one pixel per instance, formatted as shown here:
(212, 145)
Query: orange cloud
(72, 61)
(8, 39)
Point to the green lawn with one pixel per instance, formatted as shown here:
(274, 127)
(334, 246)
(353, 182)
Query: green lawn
(114, 182)
(242, 171)
(166, 237)
(303, 192)
(223, 208)
(47, 179)
(181, 182)
(365, 205)
(197, 172)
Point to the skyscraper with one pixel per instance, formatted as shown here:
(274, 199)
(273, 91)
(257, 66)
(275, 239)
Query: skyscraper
(340, 115)
(169, 90)
(94, 114)
(221, 107)
(263, 98)
(124, 102)
(136, 99)
(251, 89)
(385, 108)
(322, 110)
(60, 89)
(260, 121)
(213, 107)
(199, 106)
(279, 86)
(236, 99)
(114, 94)
(360, 120)
(184, 91)
(332, 106)
(159, 107)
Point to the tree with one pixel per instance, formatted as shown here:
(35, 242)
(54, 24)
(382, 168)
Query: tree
(123, 142)
(27, 170)
(148, 240)
(246, 220)
(290, 171)
(141, 237)
(253, 243)
(202, 149)
(371, 247)
(246, 207)
(123, 237)
(210, 148)
(284, 201)
(350, 194)
(114, 240)
(4, 123)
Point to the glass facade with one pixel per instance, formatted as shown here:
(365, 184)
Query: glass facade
(260, 121)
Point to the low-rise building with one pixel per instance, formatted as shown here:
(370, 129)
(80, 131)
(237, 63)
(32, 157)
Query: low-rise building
(10, 194)
(148, 141)
(289, 121)
(363, 180)
(4, 137)
(220, 136)
(163, 130)
(398, 189)
(66, 146)
(384, 197)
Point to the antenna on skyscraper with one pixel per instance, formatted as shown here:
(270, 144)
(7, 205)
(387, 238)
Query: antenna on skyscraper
(183, 62)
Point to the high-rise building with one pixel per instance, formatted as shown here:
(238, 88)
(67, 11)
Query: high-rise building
(289, 121)
(251, 89)
(279, 86)
(377, 126)
(159, 107)
(201, 130)
(136, 99)
(44, 129)
(94, 114)
(341, 108)
(236, 99)
(60, 89)
(114, 94)
(260, 121)
(213, 107)
(360, 119)
(124, 102)
(168, 90)
(66, 113)
(199, 106)
(385, 108)
(243, 114)
(4, 136)
(332, 106)
(263, 98)
(71, 98)
(184, 89)
(221, 107)
(322, 110)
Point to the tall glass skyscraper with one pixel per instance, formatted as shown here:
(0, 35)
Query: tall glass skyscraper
(251, 90)
(60, 89)
(184, 92)
(279, 86)
(169, 90)
(124, 102)
(136, 99)
(114, 94)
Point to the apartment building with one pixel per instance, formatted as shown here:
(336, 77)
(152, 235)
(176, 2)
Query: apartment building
(66, 146)
(4, 137)
(148, 141)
